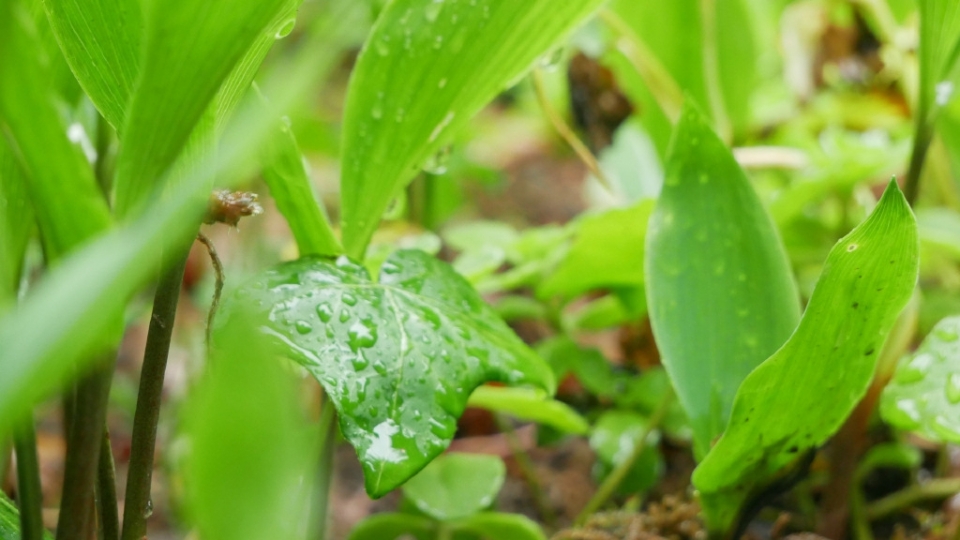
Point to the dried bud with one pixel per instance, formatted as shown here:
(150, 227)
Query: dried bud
(229, 206)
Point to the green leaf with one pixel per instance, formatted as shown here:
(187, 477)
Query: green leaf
(10, 520)
(939, 53)
(189, 49)
(529, 404)
(16, 223)
(286, 175)
(614, 438)
(803, 393)
(100, 40)
(497, 526)
(898, 455)
(456, 485)
(924, 395)
(398, 358)
(425, 70)
(69, 206)
(248, 449)
(720, 292)
(392, 526)
(607, 251)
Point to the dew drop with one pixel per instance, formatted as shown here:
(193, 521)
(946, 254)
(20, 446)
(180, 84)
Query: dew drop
(916, 369)
(552, 60)
(442, 83)
(344, 316)
(432, 11)
(285, 28)
(325, 312)
(362, 334)
(360, 362)
(148, 509)
(944, 334)
(442, 126)
(437, 164)
(303, 327)
(383, 48)
(349, 299)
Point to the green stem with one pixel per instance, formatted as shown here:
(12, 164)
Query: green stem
(328, 430)
(107, 491)
(29, 494)
(921, 145)
(939, 488)
(137, 507)
(528, 471)
(83, 453)
(711, 64)
(620, 472)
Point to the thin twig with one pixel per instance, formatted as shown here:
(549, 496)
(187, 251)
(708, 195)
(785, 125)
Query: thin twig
(620, 472)
(528, 471)
(939, 488)
(29, 494)
(138, 507)
(566, 132)
(218, 283)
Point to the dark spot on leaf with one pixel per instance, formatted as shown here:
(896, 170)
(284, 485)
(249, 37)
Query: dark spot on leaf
(868, 352)
(856, 305)
(793, 449)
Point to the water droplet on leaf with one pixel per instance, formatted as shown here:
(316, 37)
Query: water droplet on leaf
(285, 28)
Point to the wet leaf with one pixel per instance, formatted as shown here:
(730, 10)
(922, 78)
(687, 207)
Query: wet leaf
(720, 291)
(924, 395)
(399, 358)
(529, 404)
(456, 485)
(426, 69)
(801, 395)
(614, 438)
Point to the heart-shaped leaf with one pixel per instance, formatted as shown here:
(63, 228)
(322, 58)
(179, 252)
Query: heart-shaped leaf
(398, 358)
(798, 398)
(456, 485)
(924, 395)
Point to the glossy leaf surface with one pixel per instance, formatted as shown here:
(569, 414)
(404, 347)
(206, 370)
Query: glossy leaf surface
(398, 358)
(924, 395)
(802, 394)
(100, 40)
(456, 485)
(529, 404)
(720, 291)
(426, 69)
(189, 49)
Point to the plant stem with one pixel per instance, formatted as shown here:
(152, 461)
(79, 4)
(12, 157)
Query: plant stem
(529, 472)
(83, 453)
(566, 132)
(29, 494)
(328, 432)
(137, 503)
(921, 144)
(939, 488)
(711, 63)
(107, 490)
(620, 472)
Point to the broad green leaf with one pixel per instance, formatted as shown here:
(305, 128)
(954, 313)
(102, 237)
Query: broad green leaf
(456, 485)
(719, 288)
(68, 203)
(425, 70)
(607, 251)
(614, 438)
(100, 40)
(189, 49)
(248, 449)
(393, 526)
(399, 357)
(16, 223)
(939, 53)
(497, 526)
(529, 404)
(802, 394)
(286, 175)
(924, 395)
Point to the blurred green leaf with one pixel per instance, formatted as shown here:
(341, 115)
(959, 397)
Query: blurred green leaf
(802, 394)
(614, 437)
(189, 50)
(720, 291)
(249, 452)
(476, 234)
(456, 485)
(939, 53)
(16, 223)
(645, 392)
(426, 69)
(529, 404)
(399, 358)
(69, 206)
(100, 40)
(10, 520)
(894, 454)
(607, 251)
(924, 395)
(392, 526)
(497, 526)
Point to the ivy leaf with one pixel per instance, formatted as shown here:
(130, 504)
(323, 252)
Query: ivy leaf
(800, 396)
(924, 395)
(399, 358)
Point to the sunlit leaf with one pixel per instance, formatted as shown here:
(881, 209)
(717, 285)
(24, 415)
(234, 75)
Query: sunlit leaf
(398, 357)
(425, 70)
(720, 291)
(529, 404)
(924, 395)
(456, 485)
(100, 40)
(802, 394)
